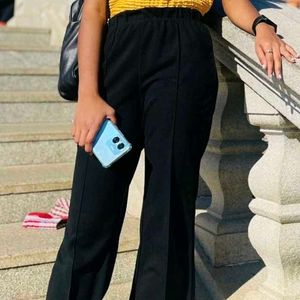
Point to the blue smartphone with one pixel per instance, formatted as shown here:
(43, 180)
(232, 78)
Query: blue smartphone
(110, 144)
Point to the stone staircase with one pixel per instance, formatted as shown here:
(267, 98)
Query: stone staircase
(36, 166)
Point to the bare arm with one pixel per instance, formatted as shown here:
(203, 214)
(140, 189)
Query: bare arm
(89, 41)
(266, 38)
(91, 108)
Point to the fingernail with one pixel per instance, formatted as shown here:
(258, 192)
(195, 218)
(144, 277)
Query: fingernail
(279, 76)
(264, 66)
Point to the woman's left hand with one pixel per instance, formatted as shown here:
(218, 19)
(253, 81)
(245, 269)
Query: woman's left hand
(270, 48)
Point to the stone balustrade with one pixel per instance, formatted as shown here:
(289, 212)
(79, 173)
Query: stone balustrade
(252, 165)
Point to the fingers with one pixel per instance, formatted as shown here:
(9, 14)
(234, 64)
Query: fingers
(289, 53)
(82, 138)
(111, 114)
(77, 134)
(277, 61)
(84, 132)
(286, 54)
(88, 147)
(261, 56)
(274, 55)
(269, 52)
(292, 51)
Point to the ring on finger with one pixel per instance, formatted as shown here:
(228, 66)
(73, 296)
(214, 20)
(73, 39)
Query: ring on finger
(269, 51)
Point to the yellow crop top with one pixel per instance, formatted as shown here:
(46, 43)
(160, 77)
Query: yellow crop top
(116, 6)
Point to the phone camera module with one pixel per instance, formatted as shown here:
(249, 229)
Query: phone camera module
(116, 139)
(120, 146)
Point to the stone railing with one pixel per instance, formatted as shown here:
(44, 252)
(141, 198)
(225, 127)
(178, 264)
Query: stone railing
(248, 240)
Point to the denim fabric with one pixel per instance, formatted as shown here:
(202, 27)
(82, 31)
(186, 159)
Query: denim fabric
(158, 72)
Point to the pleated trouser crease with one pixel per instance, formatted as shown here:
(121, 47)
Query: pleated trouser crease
(158, 72)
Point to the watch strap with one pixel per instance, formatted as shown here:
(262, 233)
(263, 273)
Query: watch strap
(262, 19)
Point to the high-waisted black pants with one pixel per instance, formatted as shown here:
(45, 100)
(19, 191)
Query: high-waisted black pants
(158, 72)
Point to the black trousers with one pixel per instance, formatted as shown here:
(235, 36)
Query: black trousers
(6, 10)
(158, 72)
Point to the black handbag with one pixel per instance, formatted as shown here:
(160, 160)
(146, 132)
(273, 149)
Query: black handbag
(68, 64)
(68, 78)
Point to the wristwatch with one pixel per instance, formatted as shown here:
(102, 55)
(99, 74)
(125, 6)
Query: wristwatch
(263, 19)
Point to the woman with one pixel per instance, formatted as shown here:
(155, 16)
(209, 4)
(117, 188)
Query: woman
(158, 82)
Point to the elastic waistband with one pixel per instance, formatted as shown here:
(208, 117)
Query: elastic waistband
(155, 12)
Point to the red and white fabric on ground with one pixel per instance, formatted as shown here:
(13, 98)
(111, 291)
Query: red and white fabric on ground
(56, 218)
(60, 208)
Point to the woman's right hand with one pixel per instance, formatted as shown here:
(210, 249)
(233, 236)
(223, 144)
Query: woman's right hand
(90, 112)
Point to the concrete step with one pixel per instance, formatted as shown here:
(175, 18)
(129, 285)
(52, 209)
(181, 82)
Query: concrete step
(28, 57)
(116, 291)
(28, 188)
(29, 79)
(36, 143)
(26, 260)
(30, 97)
(24, 36)
(22, 107)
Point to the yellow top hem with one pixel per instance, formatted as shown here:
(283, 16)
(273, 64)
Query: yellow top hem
(117, 6)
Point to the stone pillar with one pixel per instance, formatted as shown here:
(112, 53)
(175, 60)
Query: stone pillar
(234, 147)
(50, 14)
(274, 180)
